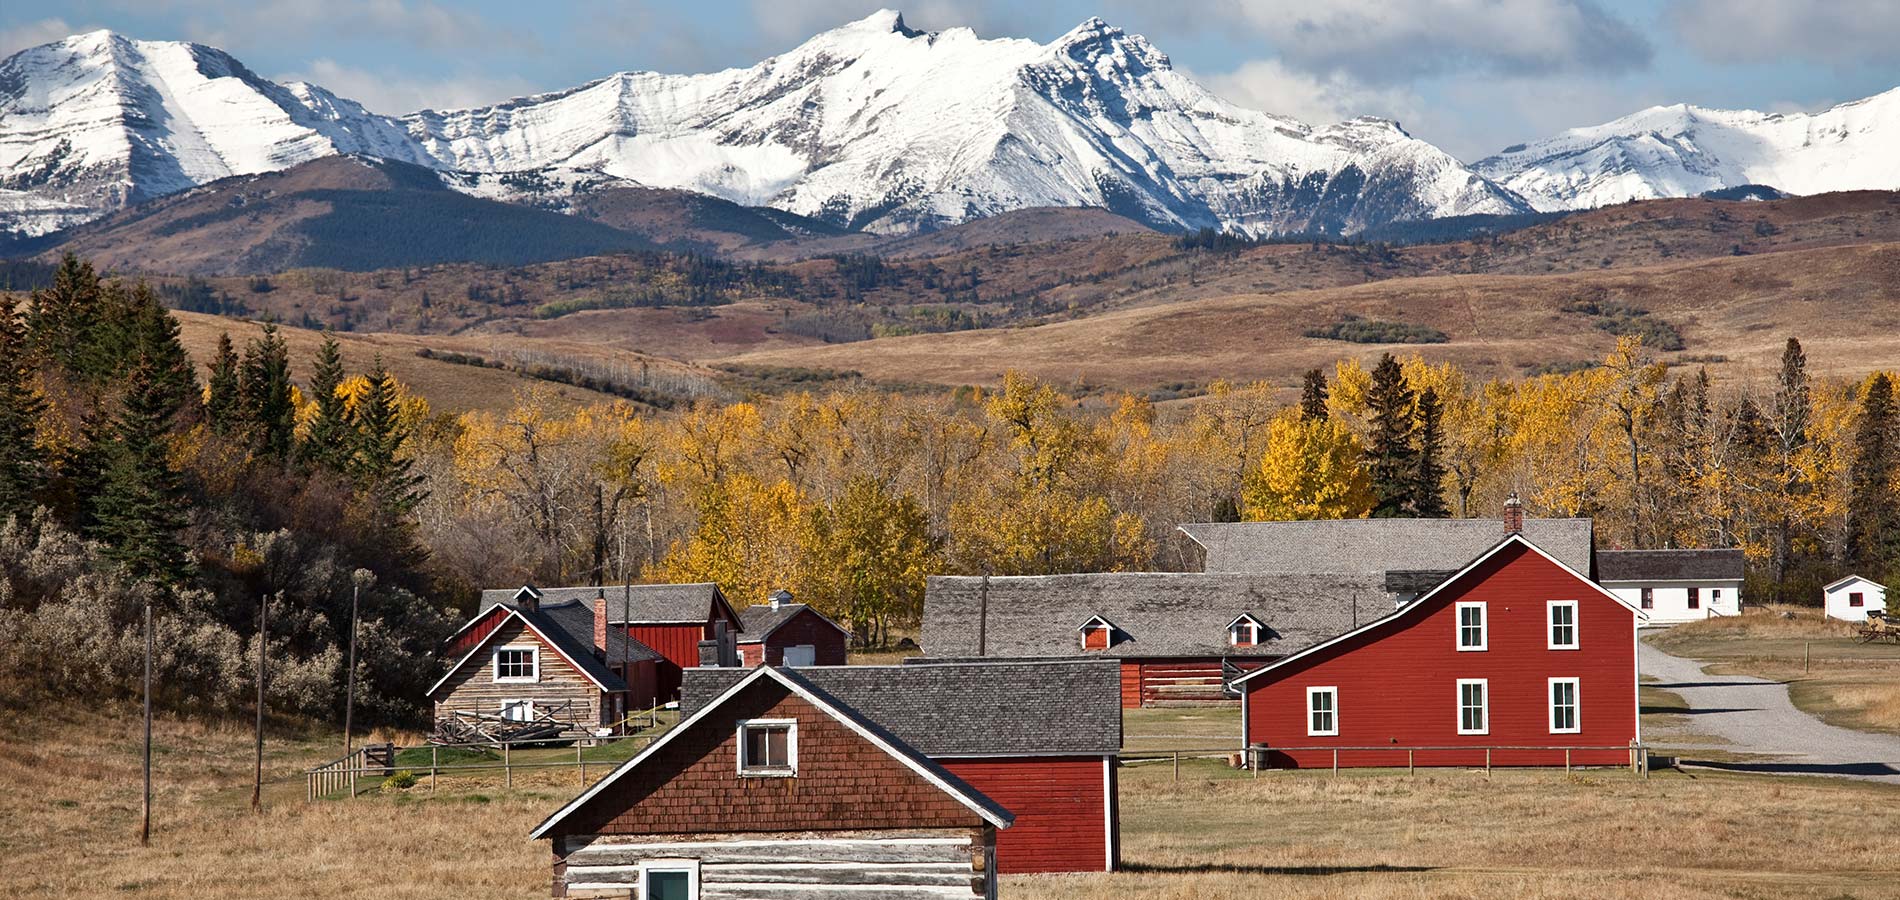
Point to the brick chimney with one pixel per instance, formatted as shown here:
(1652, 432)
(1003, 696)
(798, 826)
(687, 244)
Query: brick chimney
(1513, 514)
(600, 625)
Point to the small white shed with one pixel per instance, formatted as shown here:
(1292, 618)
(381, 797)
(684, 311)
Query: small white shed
(1850, 598)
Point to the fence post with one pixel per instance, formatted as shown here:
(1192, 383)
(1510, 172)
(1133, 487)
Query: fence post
(507, 773)
(433, 765)
(1411, 761)
(1807, 656)
(1487, 762)
(581, 762)
(1566, 760)
(1335, 762)
(1177, 765)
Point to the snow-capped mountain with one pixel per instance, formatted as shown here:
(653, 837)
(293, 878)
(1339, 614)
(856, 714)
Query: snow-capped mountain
(1678, 151)
(872, 125)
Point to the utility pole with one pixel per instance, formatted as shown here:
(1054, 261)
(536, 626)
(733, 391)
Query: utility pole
(145, 824)
(263, 642)
(358, 579)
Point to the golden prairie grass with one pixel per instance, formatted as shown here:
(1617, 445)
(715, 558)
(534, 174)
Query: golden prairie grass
(68, 818)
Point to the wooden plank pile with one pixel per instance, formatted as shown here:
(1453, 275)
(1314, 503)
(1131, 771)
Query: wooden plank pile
(464, 727)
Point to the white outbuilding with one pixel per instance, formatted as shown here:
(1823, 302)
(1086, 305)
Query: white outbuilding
(1675, 586)
(1851, 598)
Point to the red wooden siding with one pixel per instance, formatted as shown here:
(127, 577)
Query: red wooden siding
(1146, 682)
(1060, 805)
(468, 640)
(828, 643)
(679, 644)
(1397, 683)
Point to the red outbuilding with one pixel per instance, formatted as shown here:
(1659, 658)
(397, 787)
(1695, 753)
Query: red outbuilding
(669, 618)
(779, 632)
(1516, 650)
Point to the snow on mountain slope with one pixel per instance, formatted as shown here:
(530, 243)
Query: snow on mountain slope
(877, 126)
(1677, 151)
(98, 121)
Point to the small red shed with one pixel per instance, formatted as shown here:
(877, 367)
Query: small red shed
(1515, 650)
(779, 632)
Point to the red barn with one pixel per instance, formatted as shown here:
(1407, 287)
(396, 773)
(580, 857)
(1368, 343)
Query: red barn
(779, 632)
(669, 618)
(1516, 650)
(1038, 738)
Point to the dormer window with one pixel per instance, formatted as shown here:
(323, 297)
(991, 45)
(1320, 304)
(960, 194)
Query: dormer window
(1245, 631)
(1097, 633)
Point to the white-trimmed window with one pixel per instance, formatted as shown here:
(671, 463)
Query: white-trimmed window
(517, 663)
(517, 710)
(1322, 711)
(1245, 632)
(768, 747)
(669, 879)
(1471, 626)
(1474, 706)
(1562, 615)
(1565, 706)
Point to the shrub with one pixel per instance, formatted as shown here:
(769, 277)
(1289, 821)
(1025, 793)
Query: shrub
(1370, 331)
(401, 781)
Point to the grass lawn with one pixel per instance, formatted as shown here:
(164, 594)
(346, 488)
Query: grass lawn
(1830, 674)
(69, 815)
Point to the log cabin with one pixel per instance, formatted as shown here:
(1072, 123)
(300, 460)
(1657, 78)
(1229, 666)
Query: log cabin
(526, 659)
(1039, 738)
(780, 632)
(670, 619)
(771, 787)
(1515, 650)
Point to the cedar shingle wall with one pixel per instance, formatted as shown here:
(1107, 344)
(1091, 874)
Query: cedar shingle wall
(473, 688)
(692, 784)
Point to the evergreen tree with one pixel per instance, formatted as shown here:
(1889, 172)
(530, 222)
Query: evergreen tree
(1873, 524)
(1391, 457)
(1313, 396)
(264, 386)
(386, 482)
(62, 313)
(141, 504)
(1428, 487)
(20, 409)
(221, 401)
(328, 442)
(1793, 410)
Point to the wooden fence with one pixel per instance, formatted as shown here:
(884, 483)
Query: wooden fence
(342, 775)
(1258, 756)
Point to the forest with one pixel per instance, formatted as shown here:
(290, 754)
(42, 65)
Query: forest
(131, 475)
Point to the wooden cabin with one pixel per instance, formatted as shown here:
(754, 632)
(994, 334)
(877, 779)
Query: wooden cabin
(774, 782)
(780, 632)
(1038, 738)
(670, 619)
(1515, 650)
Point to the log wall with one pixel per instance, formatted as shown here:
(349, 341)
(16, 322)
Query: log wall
(909, 864)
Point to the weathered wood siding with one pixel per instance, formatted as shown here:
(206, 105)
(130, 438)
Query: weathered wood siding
(902, 864)
(1196, 680)
(473, 688)
(828, 643)
(1064, 808)
(1398, 682)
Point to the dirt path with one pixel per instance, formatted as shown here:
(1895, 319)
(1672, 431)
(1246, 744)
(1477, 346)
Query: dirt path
(1756, 717)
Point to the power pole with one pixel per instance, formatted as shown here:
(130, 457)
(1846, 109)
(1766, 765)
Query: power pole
(145, 824)
(357, 579)
(263, 641)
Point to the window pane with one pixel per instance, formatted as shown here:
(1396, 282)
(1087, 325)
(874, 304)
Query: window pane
(669, 885)
(755, 747)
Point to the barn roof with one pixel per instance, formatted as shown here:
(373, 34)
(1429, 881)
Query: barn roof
(1375, 546)
(1669, 565)
(655, 604)
(1001, 708)
(1158, 614)
(759, 621)
(853, 719)
(568, 627)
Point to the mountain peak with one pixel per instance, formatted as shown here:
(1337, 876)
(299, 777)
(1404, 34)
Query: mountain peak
(884, 21)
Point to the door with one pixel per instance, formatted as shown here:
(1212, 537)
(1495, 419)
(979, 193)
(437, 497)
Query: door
(801, 655)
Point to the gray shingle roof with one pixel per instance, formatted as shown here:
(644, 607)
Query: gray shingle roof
(1416, 581)
(1163, 614)
(761, 619)
(968, 708)
(1376, 546)
(652, 603)
(1669, 565)
(558, 624)
(576, 619)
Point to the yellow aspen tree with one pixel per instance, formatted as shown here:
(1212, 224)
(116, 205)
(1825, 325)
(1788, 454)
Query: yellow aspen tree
(1311, 469)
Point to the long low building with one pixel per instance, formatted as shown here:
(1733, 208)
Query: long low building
(1675, 586)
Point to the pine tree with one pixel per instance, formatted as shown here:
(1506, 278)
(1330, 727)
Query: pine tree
(1391, 457)
(142, 506)
(1873, 525)
(20, 409)
(1793, 410)
(264, 386)
(385, 481)
(62, 313)
(221, 400)
(331, 433)
(1313, 396)
(1428, 486)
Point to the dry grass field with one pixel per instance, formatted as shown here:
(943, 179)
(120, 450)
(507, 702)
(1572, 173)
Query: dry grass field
(69, 814)
(1830, 674)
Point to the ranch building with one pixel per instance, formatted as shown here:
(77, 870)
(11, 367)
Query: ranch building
(1852, 598)
(780, 632)
(1675, 586)
(669, 618)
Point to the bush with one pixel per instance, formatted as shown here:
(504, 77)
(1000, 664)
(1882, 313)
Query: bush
(1369, 331)
(401, 781)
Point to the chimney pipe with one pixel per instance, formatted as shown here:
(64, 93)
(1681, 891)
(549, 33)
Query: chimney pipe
(780, 598)
(1513, 514)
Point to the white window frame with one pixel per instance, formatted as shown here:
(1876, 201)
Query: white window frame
(790, 770)
(1576, 704)
(1332, 692)
(1484, 626)
(689, 866)
(518, 701)
(1550, 625)
(534, 664)
(1485, 708)
(1253, 632)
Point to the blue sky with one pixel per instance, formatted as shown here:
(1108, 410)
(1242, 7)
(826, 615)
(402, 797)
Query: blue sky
(1469, 75)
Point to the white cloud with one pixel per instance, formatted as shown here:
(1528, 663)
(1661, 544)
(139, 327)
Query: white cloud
(1473, 116)
(1835, 32)
(1270, 86)
(33, 34)
(396, 95)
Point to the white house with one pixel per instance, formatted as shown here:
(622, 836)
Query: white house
(1674, 586)
(1852, 597)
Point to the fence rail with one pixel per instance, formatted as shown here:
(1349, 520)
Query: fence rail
(343, 774)
(1258, 756)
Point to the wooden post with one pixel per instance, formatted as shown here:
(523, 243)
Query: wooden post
(1411, 761)
(349, 681)
(1335, 762)
(1807, 656)
(145, 823)
(1487, 762)
(1177, 765)
(580, 762)
(433, 774)
(507, 773)
(263, 644)
(1566, 760)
